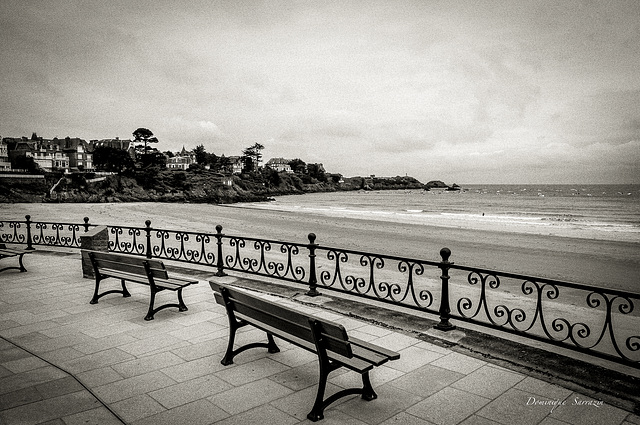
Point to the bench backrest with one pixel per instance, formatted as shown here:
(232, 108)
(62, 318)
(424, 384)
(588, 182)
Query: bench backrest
(334, 336)
(128, 264)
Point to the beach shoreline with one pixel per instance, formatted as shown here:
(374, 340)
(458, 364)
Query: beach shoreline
(609, 264)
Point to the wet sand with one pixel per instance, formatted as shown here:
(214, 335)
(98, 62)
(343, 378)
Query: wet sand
(593, 262)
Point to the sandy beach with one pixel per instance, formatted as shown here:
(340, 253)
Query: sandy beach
(594, 262)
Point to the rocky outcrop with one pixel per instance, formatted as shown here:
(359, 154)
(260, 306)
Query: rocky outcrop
(159, 185)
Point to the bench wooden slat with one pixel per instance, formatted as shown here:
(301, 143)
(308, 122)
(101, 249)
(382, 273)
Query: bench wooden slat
(391, 355)
(131, 266)
(330, 328)
(171, 283)
(355, 364)
(290, 322)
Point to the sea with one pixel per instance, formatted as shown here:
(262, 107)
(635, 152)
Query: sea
(607, 212)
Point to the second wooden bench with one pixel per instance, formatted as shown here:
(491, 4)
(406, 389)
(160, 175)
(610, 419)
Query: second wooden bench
(139, 270)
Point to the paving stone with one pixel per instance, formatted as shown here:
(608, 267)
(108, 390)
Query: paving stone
(97, 360)
(19, 381)
(261, 415)
(252, 371)
(146, 364)
(376, 331)
(48, 409)
(201, 412)
(404, 418)
(513, 407)
(60, 355)
(298, 378)
(59, 387)
(97, 416)
(390, 401)
(24, 364)
(479, 420)
(537, 387)
(293, 356)
(633, 419)
(4, 372)
(104, 343)
(126, 388)
(459, 363)
(584, 410)
(488, 381)
(97, 377)
(245, 397)
(137, 407)
(201, 349)
(395, 341)
(412, 358)
(194, 369)
(299, 403)
(18, 398)
(188, 391)
(12, 353)
(426, 380)
(448, 406)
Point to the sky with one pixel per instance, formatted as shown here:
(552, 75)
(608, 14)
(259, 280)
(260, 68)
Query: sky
(460, 91)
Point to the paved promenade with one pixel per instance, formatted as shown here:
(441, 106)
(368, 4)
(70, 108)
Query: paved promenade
(64, 361)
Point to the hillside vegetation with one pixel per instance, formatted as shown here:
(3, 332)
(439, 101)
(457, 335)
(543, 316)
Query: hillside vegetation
(162, 185)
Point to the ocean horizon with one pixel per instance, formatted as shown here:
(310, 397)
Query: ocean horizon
(607, 212)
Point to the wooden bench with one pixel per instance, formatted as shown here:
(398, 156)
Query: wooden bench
(139, 270)
(327, 339)
(10, 252)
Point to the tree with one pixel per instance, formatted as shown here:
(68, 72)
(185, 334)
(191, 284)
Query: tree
(23, 162)
(224, 164)
(298, 166)
(34, 136)
(108, 158)
(201, 155)
(154, 158)
(144, 135)
(254, 153)
(317, 172)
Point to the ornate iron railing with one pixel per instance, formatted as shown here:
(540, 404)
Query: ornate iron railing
(601, 322)
(65, 235)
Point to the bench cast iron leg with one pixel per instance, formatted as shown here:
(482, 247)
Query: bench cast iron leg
(317, 412)
(272, 347)
(182, 306)
(125, 292)
(22, 269)
(94, 300)
(149, 315)
(228, 356)
(367, 390)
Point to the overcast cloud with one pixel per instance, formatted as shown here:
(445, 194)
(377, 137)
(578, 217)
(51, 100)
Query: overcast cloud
(466, 92)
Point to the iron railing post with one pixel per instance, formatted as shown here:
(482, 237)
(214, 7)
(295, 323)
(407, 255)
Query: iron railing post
(86, 224)
(313, 280)
(445, 310)
(29, 241)
(148, 231)
(219, 262)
